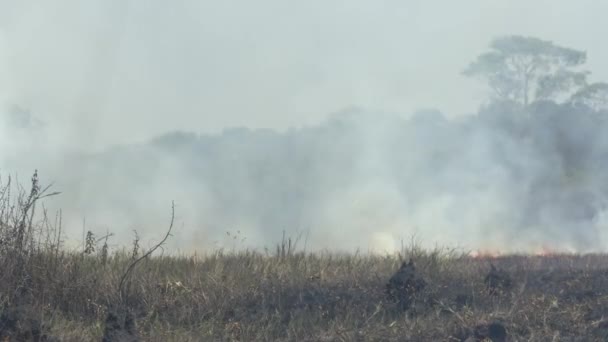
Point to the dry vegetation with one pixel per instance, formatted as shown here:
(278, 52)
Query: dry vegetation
(50, 294)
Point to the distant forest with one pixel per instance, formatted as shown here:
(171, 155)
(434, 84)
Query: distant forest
(532, 160)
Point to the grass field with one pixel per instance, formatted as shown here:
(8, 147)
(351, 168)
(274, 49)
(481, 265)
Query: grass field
(50, 294)
(248, 296)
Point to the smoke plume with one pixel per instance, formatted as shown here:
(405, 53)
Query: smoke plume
(505, 178)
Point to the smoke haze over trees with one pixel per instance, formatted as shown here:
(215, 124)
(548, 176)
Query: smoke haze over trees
(521, 69)
(521, 173)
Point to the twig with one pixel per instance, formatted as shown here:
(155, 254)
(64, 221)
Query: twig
(105, 237)
(448, 308)
(150, 251)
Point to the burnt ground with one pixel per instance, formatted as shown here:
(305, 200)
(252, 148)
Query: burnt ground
(250, 297)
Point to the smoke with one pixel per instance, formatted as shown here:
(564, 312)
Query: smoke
(89, 75)
(505, 178)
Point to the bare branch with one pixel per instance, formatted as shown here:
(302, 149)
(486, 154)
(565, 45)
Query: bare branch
(149, 252)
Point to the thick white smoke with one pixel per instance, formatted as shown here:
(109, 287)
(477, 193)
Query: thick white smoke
(504, 178)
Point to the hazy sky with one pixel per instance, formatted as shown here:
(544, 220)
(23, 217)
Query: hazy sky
(112, 71)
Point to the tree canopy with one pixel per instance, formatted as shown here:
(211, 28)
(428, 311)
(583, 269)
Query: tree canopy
(526, 69)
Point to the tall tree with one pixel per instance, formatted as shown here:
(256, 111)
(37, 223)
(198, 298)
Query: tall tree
(524, 69)
(594, 95)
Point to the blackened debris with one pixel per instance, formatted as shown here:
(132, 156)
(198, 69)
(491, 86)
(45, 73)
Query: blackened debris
(497, 280)
(403, 286)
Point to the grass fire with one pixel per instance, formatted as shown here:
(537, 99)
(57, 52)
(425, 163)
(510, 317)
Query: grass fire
(307, 171)
(49, 293)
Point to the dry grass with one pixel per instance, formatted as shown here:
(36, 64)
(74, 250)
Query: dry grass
(290, 296)
(248, 296)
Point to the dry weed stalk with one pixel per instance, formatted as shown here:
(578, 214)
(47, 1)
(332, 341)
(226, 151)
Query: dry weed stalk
(132, 265)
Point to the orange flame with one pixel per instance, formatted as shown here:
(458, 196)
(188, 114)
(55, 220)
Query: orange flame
(542, 251)
(548, 251)
(485, 254)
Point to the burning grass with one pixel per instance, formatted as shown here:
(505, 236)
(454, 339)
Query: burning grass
(48, 293)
